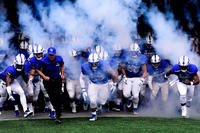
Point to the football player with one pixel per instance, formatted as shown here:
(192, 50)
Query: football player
(115, 63)
(156, 77)
(135, 71)
(73, 73)
(187, 79)
(98, 73)
(8, 79)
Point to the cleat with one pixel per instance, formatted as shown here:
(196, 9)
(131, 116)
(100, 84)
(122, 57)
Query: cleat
(58, 121)
(116, 109)
(27, 113)
(52, 115)
(135, 111)
(93, 117)
(17, 113)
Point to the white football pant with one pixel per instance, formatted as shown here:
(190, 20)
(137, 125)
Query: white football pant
(17, 89)
(186, 92)
(164, 87)
(132, 88)
(73, 89)
(98, 94)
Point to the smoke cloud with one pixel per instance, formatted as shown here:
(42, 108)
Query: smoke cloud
(171, 42)
(5, 34)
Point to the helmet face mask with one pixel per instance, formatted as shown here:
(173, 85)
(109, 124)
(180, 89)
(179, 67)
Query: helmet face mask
(39, 56)
(183, 68)
(94, 65)
(19, 67)
(155, 65)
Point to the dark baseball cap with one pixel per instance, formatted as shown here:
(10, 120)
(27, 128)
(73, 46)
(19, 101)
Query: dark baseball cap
(51, 50)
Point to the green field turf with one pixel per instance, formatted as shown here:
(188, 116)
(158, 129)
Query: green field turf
(103, 125)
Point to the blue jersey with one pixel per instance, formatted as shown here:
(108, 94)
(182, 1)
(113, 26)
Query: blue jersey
(188, 75)
(52, 69)
(98, 76)
(133, 66)
(159, 72)
(12, 71)
(34, 63)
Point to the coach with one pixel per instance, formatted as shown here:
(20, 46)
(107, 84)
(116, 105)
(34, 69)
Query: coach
(52, 71)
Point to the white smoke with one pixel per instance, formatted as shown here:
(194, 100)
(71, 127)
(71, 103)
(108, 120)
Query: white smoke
(111, 21)
(171, 42)
(78, 25)
(5, 34)
(30, 26)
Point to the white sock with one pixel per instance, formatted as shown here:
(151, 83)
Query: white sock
(50, 106)
(16, 107)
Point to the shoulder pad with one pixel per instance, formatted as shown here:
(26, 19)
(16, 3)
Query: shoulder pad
(176, 68)
(192, 68)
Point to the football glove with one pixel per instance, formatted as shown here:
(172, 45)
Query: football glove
(113, 88)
